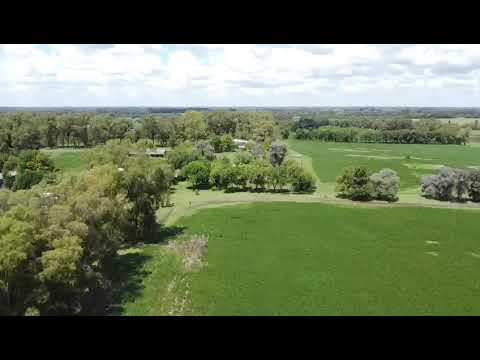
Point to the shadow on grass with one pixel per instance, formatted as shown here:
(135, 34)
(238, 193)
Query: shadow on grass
(127, 281)
(162, 234)
(130, 269)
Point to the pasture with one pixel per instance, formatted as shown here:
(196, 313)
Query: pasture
(316, 259)
(410, 161)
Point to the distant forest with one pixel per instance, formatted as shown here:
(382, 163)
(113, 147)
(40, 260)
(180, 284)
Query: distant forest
(323, 111)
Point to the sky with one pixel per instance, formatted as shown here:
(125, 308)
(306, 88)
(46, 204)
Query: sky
(240, 75)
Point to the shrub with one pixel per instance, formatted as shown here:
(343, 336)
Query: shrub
(385, 185)
(303, 182)
(355, 184)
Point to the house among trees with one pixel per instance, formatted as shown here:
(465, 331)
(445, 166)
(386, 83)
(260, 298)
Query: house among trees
(2, 180)
(240, 143)
(158, 152)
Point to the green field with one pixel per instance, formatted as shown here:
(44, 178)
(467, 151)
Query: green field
(68, 160)
(317, 259)
(330, 158)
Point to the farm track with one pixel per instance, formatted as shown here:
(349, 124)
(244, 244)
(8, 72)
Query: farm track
(172, 216)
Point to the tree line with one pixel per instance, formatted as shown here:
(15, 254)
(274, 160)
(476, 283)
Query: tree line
(258, 167)
(21, 131)
(444, 134)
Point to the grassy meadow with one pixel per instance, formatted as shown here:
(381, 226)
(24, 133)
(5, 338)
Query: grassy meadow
(410, 161)
(317, 259)
(67, 160)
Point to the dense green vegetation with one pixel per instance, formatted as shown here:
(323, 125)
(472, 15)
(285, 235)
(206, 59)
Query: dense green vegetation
(86, 194)
(294, 259)
(410, 162)
(59, 241)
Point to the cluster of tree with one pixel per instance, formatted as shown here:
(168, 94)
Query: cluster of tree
(58, 242)
(29, 168)
(444, 134)
(19, 131)
(453, 185)
(358, 183)
(248, 169)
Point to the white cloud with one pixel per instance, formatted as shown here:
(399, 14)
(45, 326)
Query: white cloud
(223, 74)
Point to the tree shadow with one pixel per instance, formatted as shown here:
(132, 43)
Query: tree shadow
(163, 234)
(127, 280)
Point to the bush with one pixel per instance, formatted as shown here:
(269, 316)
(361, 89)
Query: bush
(355, 184)
(303, 182)
(385, 185)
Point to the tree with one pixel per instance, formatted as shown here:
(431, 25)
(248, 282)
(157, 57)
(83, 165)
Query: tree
(474, 185)
(278, 152)
(259, 171)
(16, 249)
(278, 176)
(243, 157)
(285, 133)
(440, 186)
(217, 172)
(354, 183)
(216, 142)
(206, 150)
(227, 143)
(300, 180)
(385, 184)
(150, 128)
(195, 127)
(198, 173)
(461, 183)
(182, 155)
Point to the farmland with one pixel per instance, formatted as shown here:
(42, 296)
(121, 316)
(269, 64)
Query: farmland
(294, 259)
(410, 161)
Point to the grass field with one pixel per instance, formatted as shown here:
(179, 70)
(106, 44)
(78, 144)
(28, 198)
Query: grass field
(68, 160)
(317, 259)
(330, 158)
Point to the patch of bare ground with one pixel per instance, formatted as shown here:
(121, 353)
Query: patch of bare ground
(192, 252)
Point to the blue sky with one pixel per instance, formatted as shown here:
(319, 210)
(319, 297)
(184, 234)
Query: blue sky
(239, 75)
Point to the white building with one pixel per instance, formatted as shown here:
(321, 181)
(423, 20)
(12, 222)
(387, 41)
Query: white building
(240, 143)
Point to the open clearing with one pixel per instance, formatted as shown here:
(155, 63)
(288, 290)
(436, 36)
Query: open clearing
(299, 259)
(68, 160)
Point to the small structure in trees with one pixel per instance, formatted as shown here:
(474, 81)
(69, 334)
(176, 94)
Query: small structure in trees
(157, 152)
(240, 143)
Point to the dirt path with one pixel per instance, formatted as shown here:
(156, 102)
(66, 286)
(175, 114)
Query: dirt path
(187, 203)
